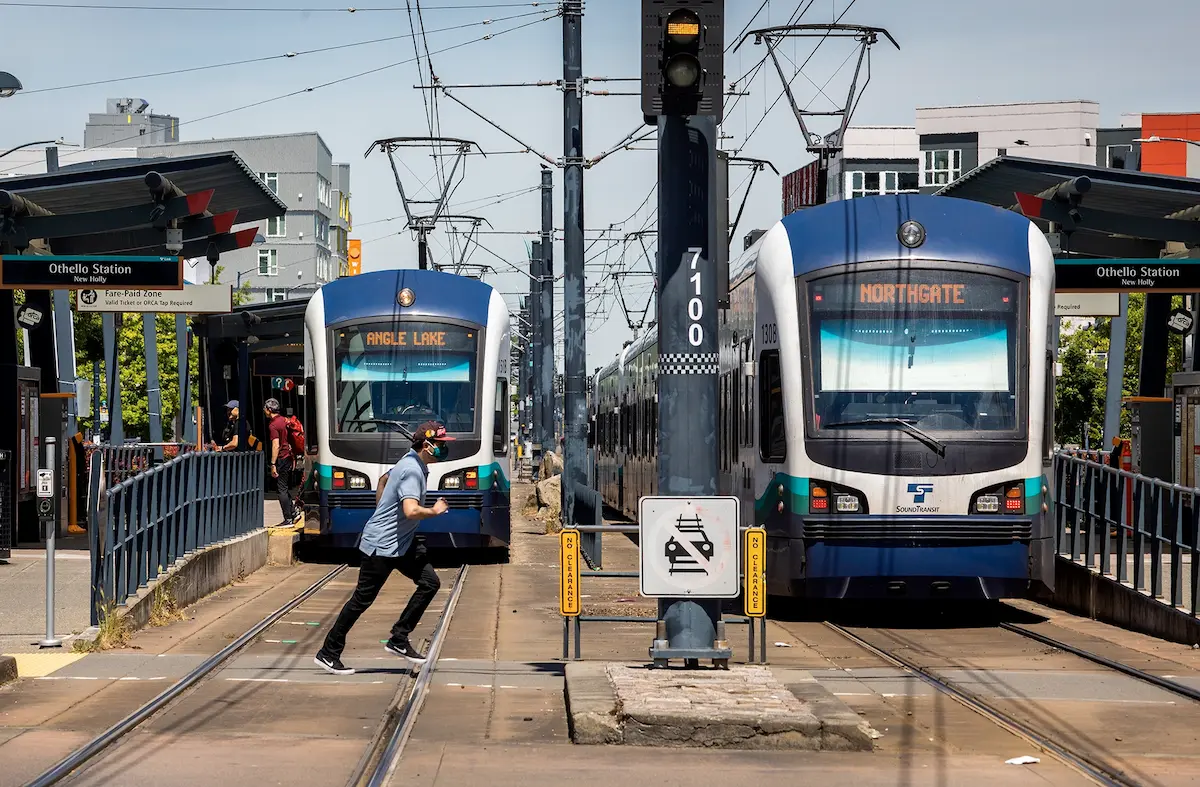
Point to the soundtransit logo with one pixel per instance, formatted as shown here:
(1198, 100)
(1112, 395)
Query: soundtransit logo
(918, 492)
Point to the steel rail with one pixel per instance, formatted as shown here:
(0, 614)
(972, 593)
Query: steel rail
(110, 736)
(1094, 771)
(1133, 672)
(408, 714)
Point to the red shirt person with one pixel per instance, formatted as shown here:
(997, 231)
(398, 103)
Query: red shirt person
(282, 461)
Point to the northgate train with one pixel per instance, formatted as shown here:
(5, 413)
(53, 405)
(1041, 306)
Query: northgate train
(387, 351)
(886, 401)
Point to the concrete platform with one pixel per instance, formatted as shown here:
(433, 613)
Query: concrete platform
(744, 707)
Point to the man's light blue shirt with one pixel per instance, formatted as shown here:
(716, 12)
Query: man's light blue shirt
(388, 532)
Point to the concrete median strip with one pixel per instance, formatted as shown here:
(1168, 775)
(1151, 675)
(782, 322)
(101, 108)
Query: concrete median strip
(745, 707)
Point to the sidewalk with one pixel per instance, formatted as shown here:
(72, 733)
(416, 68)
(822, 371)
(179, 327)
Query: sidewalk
(23, 595)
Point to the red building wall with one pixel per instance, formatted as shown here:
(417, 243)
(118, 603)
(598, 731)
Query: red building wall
(1168, 158)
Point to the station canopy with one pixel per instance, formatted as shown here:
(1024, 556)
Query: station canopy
(1109, 212)
(124, 206)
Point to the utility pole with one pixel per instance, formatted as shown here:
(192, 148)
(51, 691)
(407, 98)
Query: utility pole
(536, 339)
(546, 381)
(574, 306)
(523, 408)
(682, 86)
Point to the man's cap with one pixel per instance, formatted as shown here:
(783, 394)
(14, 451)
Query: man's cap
(431, 430)
(232, 403)
(272, 405)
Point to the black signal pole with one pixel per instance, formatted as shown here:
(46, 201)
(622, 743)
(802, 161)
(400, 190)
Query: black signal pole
(682, 86)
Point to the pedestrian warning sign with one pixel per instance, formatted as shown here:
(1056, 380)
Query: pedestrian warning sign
(756, 572)
(689, 547)
(568, 591)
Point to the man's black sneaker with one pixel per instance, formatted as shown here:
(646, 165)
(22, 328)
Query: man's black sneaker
(332, 666)
(405, 650)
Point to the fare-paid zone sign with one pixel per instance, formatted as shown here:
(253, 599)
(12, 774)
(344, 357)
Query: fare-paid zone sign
(568, 589)
(90, 272)
(689, 547)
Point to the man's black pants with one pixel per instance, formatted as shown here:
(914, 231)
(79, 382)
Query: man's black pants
(283, 484)
(373, 572)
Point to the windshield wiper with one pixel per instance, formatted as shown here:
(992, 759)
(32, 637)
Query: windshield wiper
(398, 424)
(926, 438)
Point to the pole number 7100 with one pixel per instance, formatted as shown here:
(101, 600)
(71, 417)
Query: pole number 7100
(695, 305)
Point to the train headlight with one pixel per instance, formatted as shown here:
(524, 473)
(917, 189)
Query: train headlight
(847, 504)
(987, 504)
(912, 234)
(452, 482)
(406, 297)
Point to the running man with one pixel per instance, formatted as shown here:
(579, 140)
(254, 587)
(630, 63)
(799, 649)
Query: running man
(388, 544)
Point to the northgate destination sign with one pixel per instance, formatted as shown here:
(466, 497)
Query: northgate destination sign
(1131, 275)
(90, 272)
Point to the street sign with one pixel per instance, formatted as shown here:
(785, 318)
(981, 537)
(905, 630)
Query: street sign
(94, 272)
(1087, 304)
(29, 317)
(689, 547)
(45, 482)
(756, 572)
(1180, 322)
(1128, 275)
(192, 299)
(568, 561)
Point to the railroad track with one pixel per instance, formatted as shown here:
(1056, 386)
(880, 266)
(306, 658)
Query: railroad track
(1083, 763)
(377, 764)
(81, 757)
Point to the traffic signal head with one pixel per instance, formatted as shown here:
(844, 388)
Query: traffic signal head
(683, 57)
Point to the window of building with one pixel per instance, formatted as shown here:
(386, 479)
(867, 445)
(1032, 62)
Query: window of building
(275, 296)
(324, 192)
(940, 167)
(324, 266)
(864, 184)
(268, 262)
(1117, 154)
(271, 179)
(276, 227)
(322, 229)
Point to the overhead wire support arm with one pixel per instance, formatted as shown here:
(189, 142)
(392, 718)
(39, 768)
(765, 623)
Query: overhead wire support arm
(757, 164)
(631, 138)
(498, 127)
(865, 35)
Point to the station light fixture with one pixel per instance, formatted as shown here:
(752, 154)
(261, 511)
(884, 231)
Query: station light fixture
(683, 52)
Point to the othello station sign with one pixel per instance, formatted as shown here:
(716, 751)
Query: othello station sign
(90, 272)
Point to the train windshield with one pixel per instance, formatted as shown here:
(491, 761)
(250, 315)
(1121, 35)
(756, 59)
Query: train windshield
(389, 376)
(936, 349)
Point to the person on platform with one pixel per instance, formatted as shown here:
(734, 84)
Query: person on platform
(282, 461)
(388, 544)
(229, 435)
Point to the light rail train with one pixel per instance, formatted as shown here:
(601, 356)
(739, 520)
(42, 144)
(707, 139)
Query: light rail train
(387, 351)
(886, 401)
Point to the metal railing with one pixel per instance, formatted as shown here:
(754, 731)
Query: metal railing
(588, 521)
(1126, 526)
(143, 524)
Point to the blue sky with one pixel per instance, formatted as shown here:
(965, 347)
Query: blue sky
(952, 52)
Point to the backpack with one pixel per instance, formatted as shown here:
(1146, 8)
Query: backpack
(295, 435)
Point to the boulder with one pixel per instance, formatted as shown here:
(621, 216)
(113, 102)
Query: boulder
(549, 494)
(551, 465)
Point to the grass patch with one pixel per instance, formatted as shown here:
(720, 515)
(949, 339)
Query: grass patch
(114, 631)
(165, 609)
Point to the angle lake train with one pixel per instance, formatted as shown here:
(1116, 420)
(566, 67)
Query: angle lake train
(886, 401)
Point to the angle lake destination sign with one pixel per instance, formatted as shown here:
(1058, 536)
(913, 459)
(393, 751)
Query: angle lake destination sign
(85, 272)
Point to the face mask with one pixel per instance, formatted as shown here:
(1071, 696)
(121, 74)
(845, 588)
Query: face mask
(437, 451)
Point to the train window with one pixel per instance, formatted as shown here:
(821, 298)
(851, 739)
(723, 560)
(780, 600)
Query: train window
(1048, 425)
(773, 441)
(500, 428)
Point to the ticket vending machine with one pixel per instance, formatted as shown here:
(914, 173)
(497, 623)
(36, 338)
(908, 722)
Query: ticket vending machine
(20, 440)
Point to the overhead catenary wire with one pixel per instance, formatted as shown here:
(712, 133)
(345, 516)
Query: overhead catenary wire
(269, 9)
(311, 89)
(269, 58)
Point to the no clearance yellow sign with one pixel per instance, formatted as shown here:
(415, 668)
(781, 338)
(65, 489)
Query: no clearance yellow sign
(756, 572)
(568, 590)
